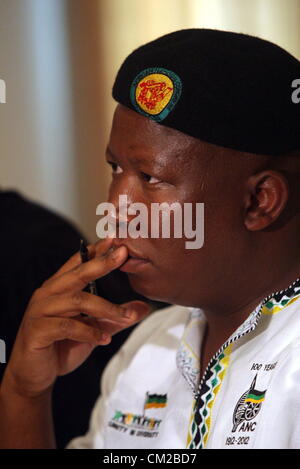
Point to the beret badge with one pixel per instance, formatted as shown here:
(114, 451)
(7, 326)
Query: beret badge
(154, 92)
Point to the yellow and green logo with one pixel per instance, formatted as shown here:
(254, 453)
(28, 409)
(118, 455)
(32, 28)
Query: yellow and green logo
(155, 91)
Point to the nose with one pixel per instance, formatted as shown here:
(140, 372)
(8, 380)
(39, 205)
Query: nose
(120, 215)
(121, 195)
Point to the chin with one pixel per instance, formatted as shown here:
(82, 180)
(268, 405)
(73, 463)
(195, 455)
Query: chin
(155, 290)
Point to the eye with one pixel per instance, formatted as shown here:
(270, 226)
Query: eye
(150, 179)
(116, 169)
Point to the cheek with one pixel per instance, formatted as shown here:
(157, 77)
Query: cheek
(175, 275)
(211, 237)
(169, 255)
(127, 185)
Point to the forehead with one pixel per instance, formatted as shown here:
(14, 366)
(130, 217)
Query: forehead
(134, 135)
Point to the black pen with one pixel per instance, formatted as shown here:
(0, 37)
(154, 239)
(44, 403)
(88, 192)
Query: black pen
(84, 254)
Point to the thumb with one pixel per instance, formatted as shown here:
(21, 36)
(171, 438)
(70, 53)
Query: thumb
(141, 308)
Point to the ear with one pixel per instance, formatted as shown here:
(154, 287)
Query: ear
(266, 197)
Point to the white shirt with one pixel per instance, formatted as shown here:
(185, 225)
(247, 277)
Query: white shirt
(248, 397)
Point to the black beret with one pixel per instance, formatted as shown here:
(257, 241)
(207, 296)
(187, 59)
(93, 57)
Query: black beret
(225, 88)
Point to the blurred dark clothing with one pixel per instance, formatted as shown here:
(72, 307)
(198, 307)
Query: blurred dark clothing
(35, 242)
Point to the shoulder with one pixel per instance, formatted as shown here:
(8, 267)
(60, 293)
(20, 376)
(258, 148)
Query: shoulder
(163, 323)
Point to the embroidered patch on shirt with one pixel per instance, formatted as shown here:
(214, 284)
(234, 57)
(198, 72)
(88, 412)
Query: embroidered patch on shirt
(140, 424)
(248, 405)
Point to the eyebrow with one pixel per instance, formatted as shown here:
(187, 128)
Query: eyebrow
(139, 160)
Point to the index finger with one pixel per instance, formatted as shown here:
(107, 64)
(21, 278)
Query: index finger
(78, 277)
(101, 247)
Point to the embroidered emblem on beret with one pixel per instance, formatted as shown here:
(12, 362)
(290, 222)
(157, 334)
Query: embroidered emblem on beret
(154, 92)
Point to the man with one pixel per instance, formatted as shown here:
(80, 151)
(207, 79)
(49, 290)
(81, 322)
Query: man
(203, 117)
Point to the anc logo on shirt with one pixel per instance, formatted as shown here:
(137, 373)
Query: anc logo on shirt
(155, 92)
(141, 424)
(248, 405)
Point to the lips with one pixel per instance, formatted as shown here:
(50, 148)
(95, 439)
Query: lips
(131, 252)
(135, 255)
(134, 262)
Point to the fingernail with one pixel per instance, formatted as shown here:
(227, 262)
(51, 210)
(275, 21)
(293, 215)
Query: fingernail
(117, 252)
(104, 337)
(129, 314)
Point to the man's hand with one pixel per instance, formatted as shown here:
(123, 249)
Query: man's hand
(54, 338)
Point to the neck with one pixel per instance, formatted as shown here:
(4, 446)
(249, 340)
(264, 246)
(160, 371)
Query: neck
(223, 321)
